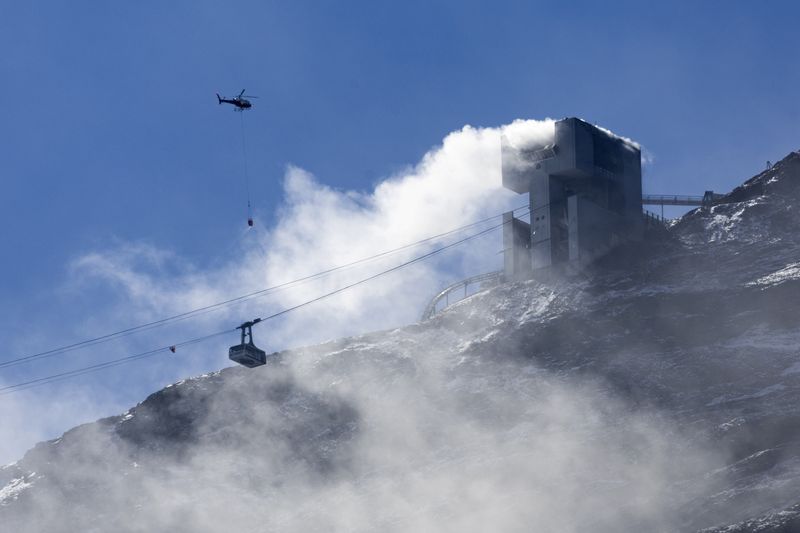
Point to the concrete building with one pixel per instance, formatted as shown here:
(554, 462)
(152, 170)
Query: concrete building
(585, 197)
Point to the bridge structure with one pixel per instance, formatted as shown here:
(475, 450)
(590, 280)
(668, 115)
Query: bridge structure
(708, 199)
(671, 199)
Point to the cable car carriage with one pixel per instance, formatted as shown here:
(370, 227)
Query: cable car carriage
(247, 353)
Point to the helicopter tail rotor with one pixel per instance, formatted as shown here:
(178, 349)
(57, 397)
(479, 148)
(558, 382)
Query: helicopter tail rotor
(219, 98)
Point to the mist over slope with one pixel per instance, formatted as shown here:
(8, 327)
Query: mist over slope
(657, 392)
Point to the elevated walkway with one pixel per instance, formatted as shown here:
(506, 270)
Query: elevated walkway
(708, 199)
(460, 290)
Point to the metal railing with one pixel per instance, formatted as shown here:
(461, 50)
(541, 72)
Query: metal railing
(491, 278)
(671, 199)
(654, 219)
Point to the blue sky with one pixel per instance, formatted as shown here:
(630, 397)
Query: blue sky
(111, 137)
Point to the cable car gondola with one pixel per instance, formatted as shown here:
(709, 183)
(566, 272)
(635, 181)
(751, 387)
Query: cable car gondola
(247, 353)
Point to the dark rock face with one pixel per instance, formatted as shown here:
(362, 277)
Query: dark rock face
(107, 466)
(659, 392)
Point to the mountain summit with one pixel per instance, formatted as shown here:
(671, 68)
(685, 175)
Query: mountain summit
(658, 391)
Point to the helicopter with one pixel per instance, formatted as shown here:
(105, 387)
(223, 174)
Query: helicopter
(239, 101)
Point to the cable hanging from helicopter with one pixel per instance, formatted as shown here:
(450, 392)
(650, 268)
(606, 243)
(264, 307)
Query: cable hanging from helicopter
(241, 103)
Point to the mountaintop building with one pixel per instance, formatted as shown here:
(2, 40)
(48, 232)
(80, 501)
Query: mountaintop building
(585, 193)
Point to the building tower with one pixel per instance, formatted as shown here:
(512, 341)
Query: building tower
(585, 198)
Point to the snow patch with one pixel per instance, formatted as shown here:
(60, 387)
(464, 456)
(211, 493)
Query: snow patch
(464, 346)
(722, 225)
(787, 273)
(731, 424)
(759, 394)
(14, 488)
(727, 222)
(760, 338)
(537, 308)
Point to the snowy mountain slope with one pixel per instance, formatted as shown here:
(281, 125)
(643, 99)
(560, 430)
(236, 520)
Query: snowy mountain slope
(658, 392)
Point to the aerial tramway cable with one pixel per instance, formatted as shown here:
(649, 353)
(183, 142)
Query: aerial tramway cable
(379, 274)
(231, 301)
(9, 389)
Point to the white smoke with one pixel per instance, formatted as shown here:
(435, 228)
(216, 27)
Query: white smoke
(318, 227)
